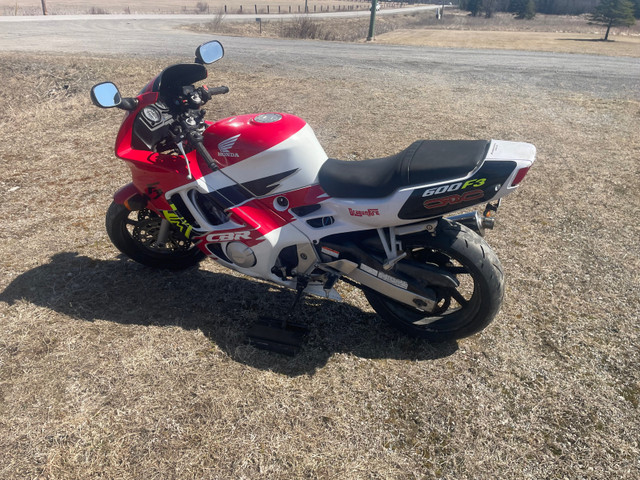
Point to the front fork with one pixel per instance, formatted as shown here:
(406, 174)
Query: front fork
(163, 233)
(130, 197)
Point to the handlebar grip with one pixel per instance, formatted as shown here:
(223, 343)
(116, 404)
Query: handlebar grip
(218, 90)
(195, 139)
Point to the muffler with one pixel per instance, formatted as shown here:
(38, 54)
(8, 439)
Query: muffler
(473, 220)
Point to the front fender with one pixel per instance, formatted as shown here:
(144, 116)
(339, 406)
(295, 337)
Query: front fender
(130, 197)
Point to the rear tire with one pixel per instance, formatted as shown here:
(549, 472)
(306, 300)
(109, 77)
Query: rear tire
(462, 311)
(134, 233)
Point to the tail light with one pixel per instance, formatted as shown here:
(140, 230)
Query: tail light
(519, 176)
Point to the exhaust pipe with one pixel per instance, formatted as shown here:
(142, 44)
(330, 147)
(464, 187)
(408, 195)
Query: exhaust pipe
(473, 220)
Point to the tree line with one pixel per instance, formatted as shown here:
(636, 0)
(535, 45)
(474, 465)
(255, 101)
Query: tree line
(527, 9)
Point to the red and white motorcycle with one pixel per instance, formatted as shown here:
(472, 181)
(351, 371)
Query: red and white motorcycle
(258, 194)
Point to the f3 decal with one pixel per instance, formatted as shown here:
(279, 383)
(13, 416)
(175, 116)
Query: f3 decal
(452, 187)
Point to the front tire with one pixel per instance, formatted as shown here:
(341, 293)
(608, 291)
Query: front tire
(463, 311)
(134, 233)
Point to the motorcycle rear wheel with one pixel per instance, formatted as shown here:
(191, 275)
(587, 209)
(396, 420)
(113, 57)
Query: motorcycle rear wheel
(463, 311)
(134, 233)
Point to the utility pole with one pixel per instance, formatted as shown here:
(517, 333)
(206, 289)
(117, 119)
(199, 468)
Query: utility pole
(44, 7)
(372, 21)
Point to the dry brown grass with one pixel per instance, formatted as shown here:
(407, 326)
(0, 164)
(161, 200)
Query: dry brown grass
(546, 33)
(112, 370)
(585, 43)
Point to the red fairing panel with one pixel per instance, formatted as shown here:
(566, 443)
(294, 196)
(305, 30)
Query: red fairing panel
(154, 173)
(297, 198)
(258, 218)
(234, 139)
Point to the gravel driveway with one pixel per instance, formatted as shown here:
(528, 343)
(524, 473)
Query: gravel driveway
(387, 65)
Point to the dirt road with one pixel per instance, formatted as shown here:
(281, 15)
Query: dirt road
(384, 64)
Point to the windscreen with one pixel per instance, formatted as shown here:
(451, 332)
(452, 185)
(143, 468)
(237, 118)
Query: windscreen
(179, 75)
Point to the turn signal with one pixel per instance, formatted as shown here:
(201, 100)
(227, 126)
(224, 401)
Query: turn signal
(135, 202)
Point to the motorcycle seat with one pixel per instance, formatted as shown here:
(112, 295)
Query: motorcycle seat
(423, 162)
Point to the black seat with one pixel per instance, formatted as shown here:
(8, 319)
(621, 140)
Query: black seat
(424, 162)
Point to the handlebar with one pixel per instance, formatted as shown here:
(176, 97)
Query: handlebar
(194, 98)
(218, 90)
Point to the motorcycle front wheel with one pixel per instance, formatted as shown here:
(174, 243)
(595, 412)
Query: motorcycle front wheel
(135, 233)
(460, 311)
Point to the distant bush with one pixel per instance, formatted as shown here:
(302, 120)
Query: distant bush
(216, 24)
(303, 27)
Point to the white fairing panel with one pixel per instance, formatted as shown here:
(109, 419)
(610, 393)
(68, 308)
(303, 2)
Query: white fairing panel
(524, 154)
(301, 153)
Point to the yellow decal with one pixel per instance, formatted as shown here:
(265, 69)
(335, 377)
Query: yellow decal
(178, 220)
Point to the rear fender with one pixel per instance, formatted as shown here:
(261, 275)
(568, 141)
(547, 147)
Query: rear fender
(130, 197)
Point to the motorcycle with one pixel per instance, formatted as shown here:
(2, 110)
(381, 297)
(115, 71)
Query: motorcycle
(257, 194)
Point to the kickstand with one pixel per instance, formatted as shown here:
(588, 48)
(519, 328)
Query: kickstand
(299, 294)
(281, 336)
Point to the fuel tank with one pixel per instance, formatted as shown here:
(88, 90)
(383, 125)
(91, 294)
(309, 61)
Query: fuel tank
(267, 153)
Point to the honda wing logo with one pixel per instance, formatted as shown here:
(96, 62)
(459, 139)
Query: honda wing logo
(226, 145)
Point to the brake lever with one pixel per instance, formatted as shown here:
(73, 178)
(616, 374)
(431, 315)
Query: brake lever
(184, 155)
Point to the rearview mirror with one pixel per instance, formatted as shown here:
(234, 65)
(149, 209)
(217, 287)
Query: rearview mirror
(105, 95)
(209, 52)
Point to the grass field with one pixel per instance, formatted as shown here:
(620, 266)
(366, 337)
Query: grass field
(112, 370)
(585, 43)
(546, 33)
